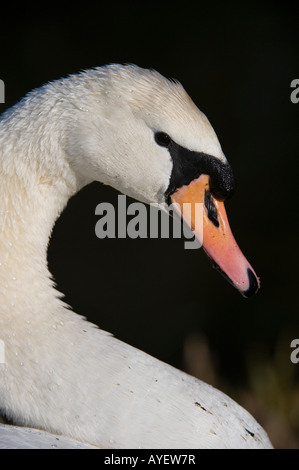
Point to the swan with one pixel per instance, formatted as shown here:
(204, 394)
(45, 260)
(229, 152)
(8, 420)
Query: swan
(134, 130)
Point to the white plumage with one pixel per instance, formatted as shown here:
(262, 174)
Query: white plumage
(62, 374)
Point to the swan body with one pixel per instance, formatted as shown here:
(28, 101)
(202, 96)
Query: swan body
(62, 374)
(14, 437)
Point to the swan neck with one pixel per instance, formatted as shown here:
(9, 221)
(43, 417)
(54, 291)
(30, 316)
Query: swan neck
(35, 186)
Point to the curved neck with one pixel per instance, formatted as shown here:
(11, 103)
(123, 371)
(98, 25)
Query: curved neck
(36, 183)
(27, 216)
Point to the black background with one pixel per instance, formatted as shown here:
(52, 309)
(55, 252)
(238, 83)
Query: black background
(237, 62)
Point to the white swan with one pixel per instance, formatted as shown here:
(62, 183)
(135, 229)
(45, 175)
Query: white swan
(140, 133)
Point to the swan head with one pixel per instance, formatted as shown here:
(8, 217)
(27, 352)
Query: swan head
(141, 133)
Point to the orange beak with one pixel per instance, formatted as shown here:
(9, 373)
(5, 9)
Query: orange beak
(215, 234)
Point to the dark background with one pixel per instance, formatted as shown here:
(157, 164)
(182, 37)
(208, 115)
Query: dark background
(237, 63)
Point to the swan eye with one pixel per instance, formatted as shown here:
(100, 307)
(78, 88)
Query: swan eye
(162, 139)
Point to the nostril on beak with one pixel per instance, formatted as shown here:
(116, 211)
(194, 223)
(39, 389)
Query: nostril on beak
(210, 206)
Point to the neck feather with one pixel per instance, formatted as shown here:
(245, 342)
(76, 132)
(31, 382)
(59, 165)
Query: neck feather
(35, 185)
